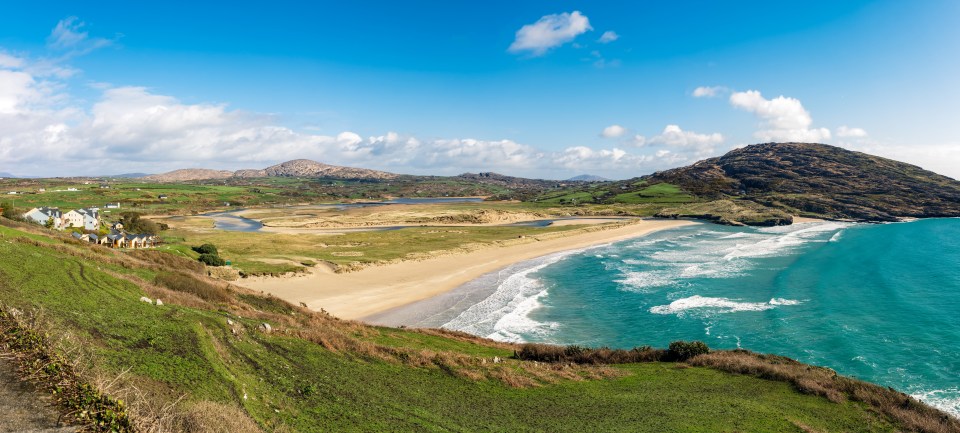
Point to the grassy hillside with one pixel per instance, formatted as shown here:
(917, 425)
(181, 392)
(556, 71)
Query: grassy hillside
(203, 361)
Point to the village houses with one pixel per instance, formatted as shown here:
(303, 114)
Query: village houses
(87, 218)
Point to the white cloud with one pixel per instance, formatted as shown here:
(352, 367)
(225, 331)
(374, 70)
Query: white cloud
(781, 118)
(846, 131)
(17, 89)
(550, 31)
(608, 36)
(709, 92)
(9, 61)
(68, 36)
(613, 131)
(689, 143)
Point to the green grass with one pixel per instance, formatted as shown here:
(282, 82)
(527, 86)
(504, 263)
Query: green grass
(292, 383)
(243, 249)
(658, 193)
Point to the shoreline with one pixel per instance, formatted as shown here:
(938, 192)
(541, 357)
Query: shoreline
(377, 289)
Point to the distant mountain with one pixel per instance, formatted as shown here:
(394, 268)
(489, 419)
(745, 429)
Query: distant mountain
(185, 174)
(587, 178)
(821, 180)
(506, 181)
(5, 174)
(308, 168)
(127, 175)
(294, 168)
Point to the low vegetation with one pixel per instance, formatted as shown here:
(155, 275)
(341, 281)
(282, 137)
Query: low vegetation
(219, 358)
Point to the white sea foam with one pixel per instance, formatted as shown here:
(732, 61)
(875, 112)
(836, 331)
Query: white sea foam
(781, 301)
(504, 315)
(947, 400)
(719, 305)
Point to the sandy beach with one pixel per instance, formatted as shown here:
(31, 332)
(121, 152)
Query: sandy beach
(355, 295)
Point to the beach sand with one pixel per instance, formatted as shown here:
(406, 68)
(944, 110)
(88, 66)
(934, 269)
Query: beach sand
(359, 294)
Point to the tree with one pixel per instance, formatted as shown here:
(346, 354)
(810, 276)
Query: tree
(206, 249)
(9, 212)
(212, 260)
(49, 223)
(134, 224)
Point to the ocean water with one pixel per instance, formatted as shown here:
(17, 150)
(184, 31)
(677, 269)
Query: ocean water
(876, 302)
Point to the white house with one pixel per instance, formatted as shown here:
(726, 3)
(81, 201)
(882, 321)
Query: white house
(88, 218)
(112, 205)
(41, 215)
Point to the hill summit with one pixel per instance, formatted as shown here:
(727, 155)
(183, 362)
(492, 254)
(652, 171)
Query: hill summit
(821, 180)
(293, 168)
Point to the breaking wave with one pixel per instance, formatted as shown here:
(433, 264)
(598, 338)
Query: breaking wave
(719, 305)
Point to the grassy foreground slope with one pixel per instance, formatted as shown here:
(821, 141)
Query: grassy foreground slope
(203, 361)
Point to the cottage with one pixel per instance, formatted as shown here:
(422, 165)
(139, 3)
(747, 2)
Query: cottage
(162, 196)
(81, 237)
(117, 240)
(112, 205)
(42, 215)
(87, 218)
(93, 238)
(104, 186)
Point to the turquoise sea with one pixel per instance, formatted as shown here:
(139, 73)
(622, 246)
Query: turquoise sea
(880, 302)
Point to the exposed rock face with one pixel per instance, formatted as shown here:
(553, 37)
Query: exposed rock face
(308, 168)
(250, 172)
(189, 174)
(820, 179)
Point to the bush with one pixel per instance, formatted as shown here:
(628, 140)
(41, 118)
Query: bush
(132, 223)
(212, 260)
(181, 282)
(584, 355)
(206, 249)
(683, 350)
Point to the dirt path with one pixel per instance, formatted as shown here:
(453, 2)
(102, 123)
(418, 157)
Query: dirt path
(23, 408)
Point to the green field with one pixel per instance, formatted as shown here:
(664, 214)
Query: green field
(315, 373)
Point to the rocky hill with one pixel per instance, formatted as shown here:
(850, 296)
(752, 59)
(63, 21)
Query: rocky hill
(505, 181)
(818, 179)
(294, 168)
(185, 174)
(308, 168)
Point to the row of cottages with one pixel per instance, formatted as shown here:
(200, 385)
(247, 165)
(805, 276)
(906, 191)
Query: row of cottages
(86, 218)
(118, 239)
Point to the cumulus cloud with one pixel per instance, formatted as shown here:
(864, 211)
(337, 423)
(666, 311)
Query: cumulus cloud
(134, 129)
(608, 37)
(846, 131)
(687, 142)
(613, 131)
(709, 92)
(548, 32)
(781, 118)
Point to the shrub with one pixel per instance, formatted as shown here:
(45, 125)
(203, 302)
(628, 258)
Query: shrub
(683, 350)
(212, 260)
(181, 282)
(584, 355)
(206, 249)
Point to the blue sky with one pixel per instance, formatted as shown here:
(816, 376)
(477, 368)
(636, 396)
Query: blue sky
(540, 89)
